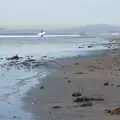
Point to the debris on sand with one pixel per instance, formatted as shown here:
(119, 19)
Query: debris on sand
(89, 46)
(91, 70)
(106, 83)
(93, 67)
(76, 94)
(14, 117)
(69, 81)
(42, 87)
(115, 111)
(82, 99)
(76, 63)
(117, 85)
(57, 107)
(79, 73)
(45, 56)
(97, 99)
(16, 57)
(80, 47)
(86, 104)
(87, 99)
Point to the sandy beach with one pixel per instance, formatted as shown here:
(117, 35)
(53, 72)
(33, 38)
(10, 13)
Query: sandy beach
(96, 77)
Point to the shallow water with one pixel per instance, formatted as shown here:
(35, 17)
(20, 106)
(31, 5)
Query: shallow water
(65, 46)
(15, 83)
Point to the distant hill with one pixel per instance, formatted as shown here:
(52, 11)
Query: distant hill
(97, 28)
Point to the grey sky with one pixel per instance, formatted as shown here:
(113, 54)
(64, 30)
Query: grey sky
(60, 12)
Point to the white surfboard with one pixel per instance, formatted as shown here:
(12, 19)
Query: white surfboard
(41, 34)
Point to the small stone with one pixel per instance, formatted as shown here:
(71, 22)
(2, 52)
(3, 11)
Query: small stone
(87, 104)
(69, 81)
(96, 99)
(79, 72)
(82, 99)
(107, 111)
(14, 117)
(87, 99)
(50, 112)
(76, 63)
(117, 85)
(42, 87)
(91, 70)
(80, 47)
(76, 94)
(106, 83)
(115, 111)
(16, 57)
(56, 107)
(89, 46)
(45, 56)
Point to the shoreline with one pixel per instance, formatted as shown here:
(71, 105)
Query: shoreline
(86, 75)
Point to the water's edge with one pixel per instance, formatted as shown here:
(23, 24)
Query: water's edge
(51, 70)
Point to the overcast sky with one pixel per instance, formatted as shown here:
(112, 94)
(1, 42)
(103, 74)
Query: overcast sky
(59, 12)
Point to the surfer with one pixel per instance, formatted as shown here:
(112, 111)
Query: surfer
(42, 33)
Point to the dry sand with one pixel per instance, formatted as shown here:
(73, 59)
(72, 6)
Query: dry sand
(87, 76)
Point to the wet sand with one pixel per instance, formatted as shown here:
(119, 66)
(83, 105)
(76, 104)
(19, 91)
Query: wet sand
(93, 77)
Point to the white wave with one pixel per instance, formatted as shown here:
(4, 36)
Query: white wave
(17, 36)
(36, 36)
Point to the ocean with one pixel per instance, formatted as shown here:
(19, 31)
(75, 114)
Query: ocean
(16, 82)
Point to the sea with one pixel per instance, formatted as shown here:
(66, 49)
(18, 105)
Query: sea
(14, 83)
